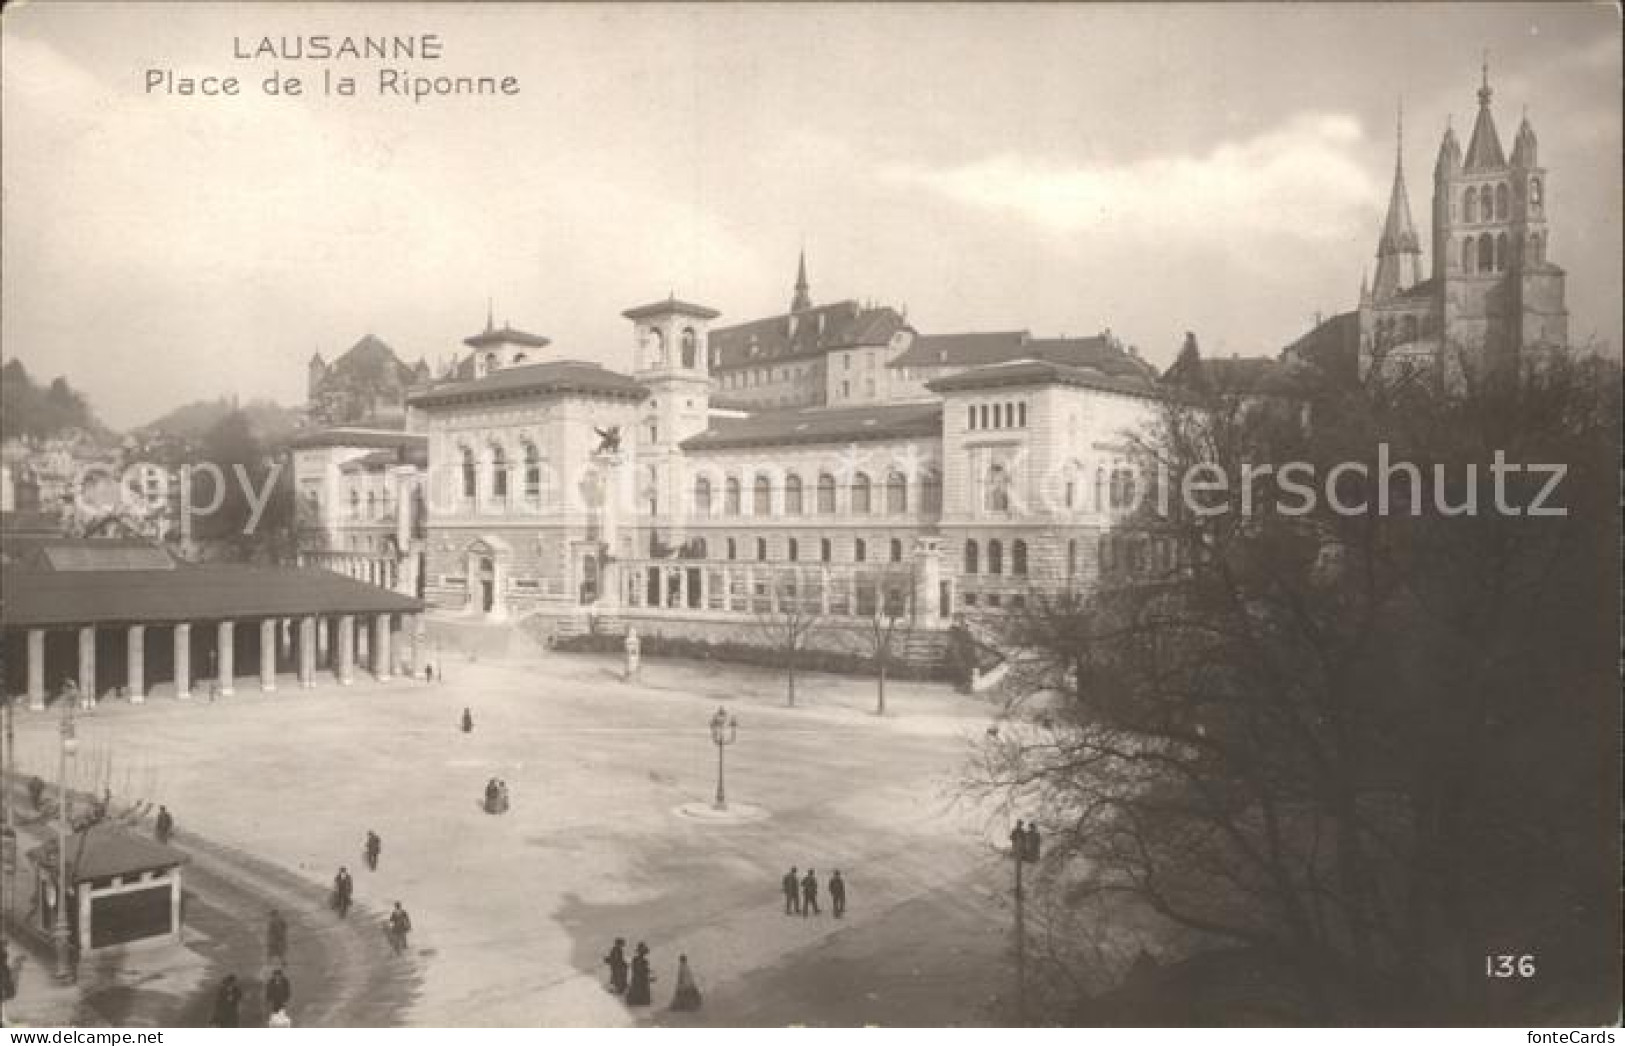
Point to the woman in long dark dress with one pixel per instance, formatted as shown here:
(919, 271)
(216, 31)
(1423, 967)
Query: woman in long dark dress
(616, 961)
(688, 992)
(637, 994)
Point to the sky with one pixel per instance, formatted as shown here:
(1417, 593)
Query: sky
(1060, 168)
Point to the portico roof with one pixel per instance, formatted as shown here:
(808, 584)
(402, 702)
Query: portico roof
(211, 592)
(105, 850)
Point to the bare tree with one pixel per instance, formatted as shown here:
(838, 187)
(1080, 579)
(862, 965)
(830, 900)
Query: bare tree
(887, 595)
(787, 612)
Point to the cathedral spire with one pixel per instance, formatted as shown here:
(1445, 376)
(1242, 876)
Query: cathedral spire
(802, 299)
(1484, 148)
(1398, 250)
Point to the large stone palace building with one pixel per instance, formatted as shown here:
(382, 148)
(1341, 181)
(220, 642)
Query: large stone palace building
(834, 455)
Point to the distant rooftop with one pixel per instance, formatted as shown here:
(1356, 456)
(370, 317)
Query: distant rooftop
(821, 425)
(555, 376)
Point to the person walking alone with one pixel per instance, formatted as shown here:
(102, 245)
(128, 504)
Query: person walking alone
(687, 996)
(400, 924)
(616, 961)
(164, 827)
(373, 848)
(467, 722)
(343, 891)
(226, 1002)
(278, 991)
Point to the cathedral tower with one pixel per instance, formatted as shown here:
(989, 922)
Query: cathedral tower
(1399, 253)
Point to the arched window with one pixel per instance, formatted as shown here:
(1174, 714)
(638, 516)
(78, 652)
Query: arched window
(971, 557)
(355, 504)
(860, 551)
(1100, 488)
(860, 494)
(499, 473)
(792, 550)
(656, 344)
(372, 505)
(931, 492)
(690, 347)
(490, 362)
(699, 548)
(1469, 206)
(1469, 254)
(761, 548)
(1502, 259)
(730, 496)
(998, 489)
(1018, 558)
(733, 549)
(896, 493)
(826, 550)
(1124, 488)
(1502, 201)
(984, 416)
(1021, 415)
(1486, 253)
(826, 494)
(1534, 192)
(792, 495)
(1072, 557)
(762, 497)
(970, 417)
(702, 496)
(896, 550)
(533, 473)
(470, 473)
(995, 558)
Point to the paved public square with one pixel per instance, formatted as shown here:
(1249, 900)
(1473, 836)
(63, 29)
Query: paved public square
(513, 913)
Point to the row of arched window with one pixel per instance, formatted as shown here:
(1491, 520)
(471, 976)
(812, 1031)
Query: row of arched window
(995, 558)
(655, 342)
(792, 549)
(497, 473)
(377, 505)
(1486, 253)
(1402, 330)
(996, 416)
(863, 496)
(1490, 203)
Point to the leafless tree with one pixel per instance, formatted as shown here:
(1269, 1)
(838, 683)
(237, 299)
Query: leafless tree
(787, 613)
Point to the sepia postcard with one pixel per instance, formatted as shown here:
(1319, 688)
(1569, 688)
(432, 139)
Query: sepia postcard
(836, 515)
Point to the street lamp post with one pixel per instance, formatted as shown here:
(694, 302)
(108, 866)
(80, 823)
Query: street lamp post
(60, 936)
(724, 732)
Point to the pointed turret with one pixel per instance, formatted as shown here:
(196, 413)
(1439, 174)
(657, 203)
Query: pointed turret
(1484, 148)
(1524, 148)
(802, 299)
(1449, 161)
(1399, 252)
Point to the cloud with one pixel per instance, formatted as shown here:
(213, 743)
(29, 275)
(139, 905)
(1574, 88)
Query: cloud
(1306, 180)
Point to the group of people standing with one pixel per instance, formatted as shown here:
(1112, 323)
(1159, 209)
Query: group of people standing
(801, 893)
(633, 979)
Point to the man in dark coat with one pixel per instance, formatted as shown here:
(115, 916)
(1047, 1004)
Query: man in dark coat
(837, 894)
(226, 1001)
(637, 993)
(809, 894)
(165, 825)
(1030, 850)
(400, 924)
(343, 891)
(1018, 841)
(792, 892)
(467, 722)
(374, 847)
(278, 992)
(616, 961)
(276, 938)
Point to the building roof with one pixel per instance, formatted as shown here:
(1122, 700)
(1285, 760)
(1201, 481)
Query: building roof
(980, 348)
(66, 552)
(1234, 375)
(1484, 147)
(371, 360)
(1334, 345)
(208, 592)
(105, 849)
(807, 332)
(506, 335)
(556, 376)
(668, 307)
(820, 425)
(361, 436)
(1044, 372)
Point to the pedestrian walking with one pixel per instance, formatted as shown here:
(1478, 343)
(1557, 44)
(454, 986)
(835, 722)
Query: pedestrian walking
(616, 961)
(373, 848)
(164, 827)
(837, 894)
(637, 993)
(276, 938)
(687, 996)
(1018, 840)
(809, 894)
(467, 722)
(400, 924)
(791, 884)
(278, 991)
(1030, 850)
(226, 1002)
(343, 891)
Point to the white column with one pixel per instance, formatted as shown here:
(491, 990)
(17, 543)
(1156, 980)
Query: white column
(87, 663)
(380, 647)
(135, 663)
(183, 661)
(36, 669)
(268, 637)
(346, 645)
(307, 652)
(225, 652)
